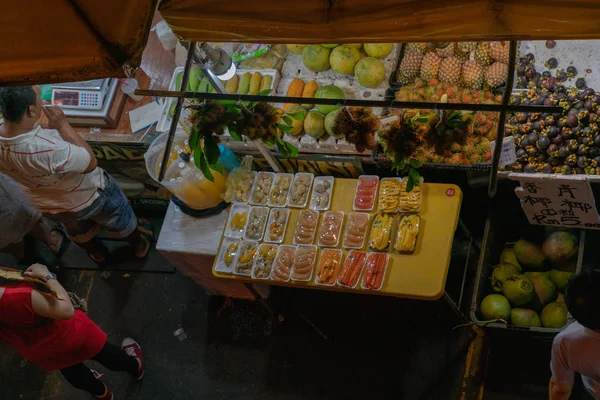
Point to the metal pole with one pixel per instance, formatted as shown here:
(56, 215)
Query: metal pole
(512, 59)
(175, 120)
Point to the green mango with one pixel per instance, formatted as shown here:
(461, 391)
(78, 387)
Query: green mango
(178, 80)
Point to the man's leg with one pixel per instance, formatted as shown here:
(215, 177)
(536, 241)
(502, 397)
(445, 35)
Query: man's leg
(82, 378)
(126, 359)
(83, 232)
(51, 238)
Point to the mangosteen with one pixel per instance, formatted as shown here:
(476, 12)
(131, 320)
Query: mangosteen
(562, 76)
(552, 132)
(547, 84)
(524, 60)
(579, 105)
(596, 99)
(543, 142)
(572, 71)
(573, 111)
(521, 153)
(561, 89)
(541, 158)
(592, 151)
(521, 118)
(546, 74)
(524, 143)
(549, 121)
(530, 57)
(586, 141)
(548, 102)
(589, 92)
(557, 116)
(521, 70)
(533, 137)
(550, 44)
(563, 151)
(593, 117)
(536, 127)
(597, 159)
(582, 150)
(557, 139)
(568, 170)
(525, 102)
(571, 159)
(516, 101)
(588, 105)
(572, 99)
(530, 72)
(580, 83)
(551, 148)
(529, 169)
(547, 169)
(581, 161)
(554, 161)
(580, 170)
(597, 140)
(552, 63)
(581, 96)
(572, 120)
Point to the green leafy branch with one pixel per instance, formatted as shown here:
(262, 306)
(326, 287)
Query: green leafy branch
(409, 167)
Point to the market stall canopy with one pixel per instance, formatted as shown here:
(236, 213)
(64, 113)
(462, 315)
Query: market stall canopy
(45, 41)
(359, 21)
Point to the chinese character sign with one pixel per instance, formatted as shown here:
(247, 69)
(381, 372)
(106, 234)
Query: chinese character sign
(558, 201)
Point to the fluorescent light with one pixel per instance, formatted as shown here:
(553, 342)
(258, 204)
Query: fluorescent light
(227, 75)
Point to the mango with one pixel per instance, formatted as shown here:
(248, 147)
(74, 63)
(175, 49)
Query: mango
(255, 83)
(265, 83)
(309, 92)
(231, 86)
(244, 86)
(178, 80)
(194, 79)
(313, 124)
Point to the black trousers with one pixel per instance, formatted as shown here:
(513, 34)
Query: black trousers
(111, 357)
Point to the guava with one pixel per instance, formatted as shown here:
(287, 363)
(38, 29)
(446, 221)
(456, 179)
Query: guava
(508, 256)
(518, 289)
(330, 121)
(495, 306)
(560, 278)
(525, 318)
(378, 50)
(313, 124)
(529, 254)
(560, 247)
(329, 92)
(501, 273)
(554, 315)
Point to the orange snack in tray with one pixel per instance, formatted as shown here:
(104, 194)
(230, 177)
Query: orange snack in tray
(374, 271)
(328, 267)
(331, 226)
(356, 230)
(304, 262)
(366, 190)
(353, 266)
(306, 227)
(283, 264)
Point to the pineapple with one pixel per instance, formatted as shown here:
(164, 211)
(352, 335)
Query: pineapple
(447, 51)
(499, 51)
(430, 65)
(496, 74)
(472, 74)
(417, 47)
(466, 47)
(450, 70)
(482, 53)
(409, 67)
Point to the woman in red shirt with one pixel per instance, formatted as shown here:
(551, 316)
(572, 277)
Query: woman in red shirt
(51, 334)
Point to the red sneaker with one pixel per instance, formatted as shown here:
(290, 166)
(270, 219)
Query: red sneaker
(108, 395)
(132, 348)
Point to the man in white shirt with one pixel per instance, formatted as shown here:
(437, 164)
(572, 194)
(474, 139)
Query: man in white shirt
(577, 348)
(58, 172)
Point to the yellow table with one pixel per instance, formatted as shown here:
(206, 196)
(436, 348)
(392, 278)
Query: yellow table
(421, 275)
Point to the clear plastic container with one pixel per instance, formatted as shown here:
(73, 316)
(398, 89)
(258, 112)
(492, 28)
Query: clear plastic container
(263, 263)
(237, 221)
(276, 227)
(304, 262)
(389, 194)
(352, 269)
(375, 269)
(356, 230)
(257, 220)
(261, 187)
(410, 202)
(366, 193)
(329, 267)
(408, 233)
(322, 193)
(381, 232)
(300, 190)
(227, 255)
(331, 228)
(306, 227)
(282, 268)
(245, 258)
(244, 187)
(280, 191)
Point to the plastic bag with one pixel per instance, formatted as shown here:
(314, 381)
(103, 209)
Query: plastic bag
(239, 182)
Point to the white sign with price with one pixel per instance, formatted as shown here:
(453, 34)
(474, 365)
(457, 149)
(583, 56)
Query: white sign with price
(507, 155)
(557, 200)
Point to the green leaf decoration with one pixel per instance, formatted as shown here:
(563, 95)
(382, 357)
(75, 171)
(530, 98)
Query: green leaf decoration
(414, 179)
(415, 163)
(285, 128)
(287, 119)
(233, 133)
(440, 128)
(202, 164)
(211, 150)
(298, 116)
(194, 139)
(265, 92)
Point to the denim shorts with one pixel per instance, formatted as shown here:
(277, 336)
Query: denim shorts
(110, 212)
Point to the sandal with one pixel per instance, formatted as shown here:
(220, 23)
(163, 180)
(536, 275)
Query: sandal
(64, 244)
(144, 228)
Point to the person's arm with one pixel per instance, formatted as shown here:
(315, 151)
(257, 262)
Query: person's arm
(45, 305)
(57, 120)
(559, 391)
(563, 377)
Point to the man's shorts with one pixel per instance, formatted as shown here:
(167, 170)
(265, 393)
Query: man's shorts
(110, 212)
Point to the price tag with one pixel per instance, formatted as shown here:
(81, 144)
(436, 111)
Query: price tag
(508, 155)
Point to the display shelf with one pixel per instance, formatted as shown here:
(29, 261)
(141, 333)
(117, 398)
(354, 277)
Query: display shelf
(421, 275)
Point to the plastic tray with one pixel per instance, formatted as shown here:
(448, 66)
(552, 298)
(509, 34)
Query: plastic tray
(348, 224)
(284, 248)
(311, 262)
(394, 199)
(284, 215)
(266, 189)
(352, 253)
(315, 215)
(220, 265)
(358, 184)
(273, 73)
(390, 228)
(398, 233)
(319, 180)
(306, 196)
(236, 198)
(275, 188)
(263, 212)
(249, 246)
(262, 260)
(412, 193)
(326, 225)
(236, 209)
(368, 265)
(338, 268)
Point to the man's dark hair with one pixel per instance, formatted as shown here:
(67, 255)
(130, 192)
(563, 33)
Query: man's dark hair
(14, 101)
(582, 296)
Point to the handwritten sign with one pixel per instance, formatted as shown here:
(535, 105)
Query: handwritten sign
(552, 200)
(507, 155)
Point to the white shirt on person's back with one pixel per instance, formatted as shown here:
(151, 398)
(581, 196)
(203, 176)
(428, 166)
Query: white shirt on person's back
(577, 349)
(50, 170)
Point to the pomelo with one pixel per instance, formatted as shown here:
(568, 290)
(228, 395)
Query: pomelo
(295, 48)
(369, 72)
(313, 124)
(518, 289)
(297, 125)
(545, 292)
(378, 50)
(354, 45)
(329, 92)
(554, 315)
(330, 46)
(316, 58)
(525, 318)
(529, 254)
(330, 121)
(495, 306)
(343, 59)
(560, 278)
(560, 247)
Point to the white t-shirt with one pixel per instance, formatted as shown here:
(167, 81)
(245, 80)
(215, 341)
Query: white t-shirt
(50, 170)
(577, 349)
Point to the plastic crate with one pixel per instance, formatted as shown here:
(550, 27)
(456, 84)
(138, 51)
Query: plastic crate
(497, 232)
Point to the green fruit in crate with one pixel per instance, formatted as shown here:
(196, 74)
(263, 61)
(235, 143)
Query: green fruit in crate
(316, 58)
(343, 59)
(194, 79)
(330, 46)
(378, 50)
(508, 256)
(172, 108)
(529, 254)
(313, 124)
(560, 278)
(501, 273)
(518, 289)
(244, 86)
(330, 122)
(560, 247)
(525, 318)
(554, 315)
(295, 48)
(545, 291)
(354, 45)
(329, 92)
(495, 306)
(297, 124)
(178, 80)
(265, 83)
(532, 274)
(369, 72)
